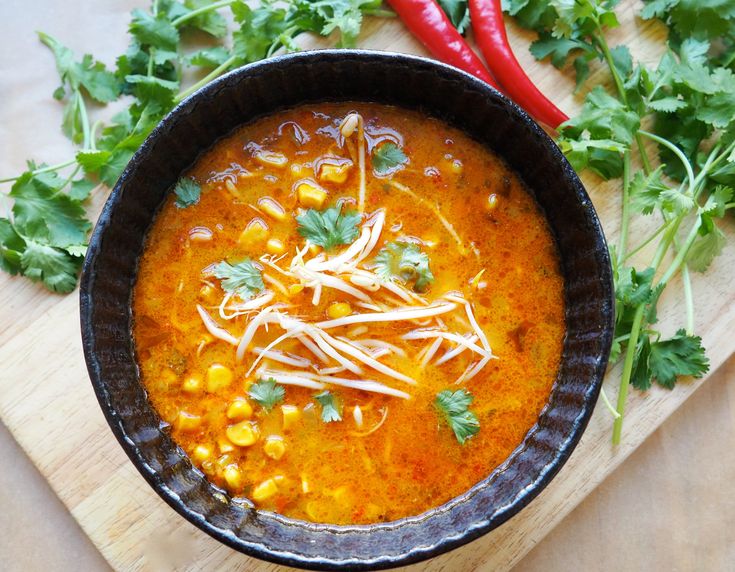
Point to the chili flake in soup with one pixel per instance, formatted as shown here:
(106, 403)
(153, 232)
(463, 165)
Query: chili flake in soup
(349, 313)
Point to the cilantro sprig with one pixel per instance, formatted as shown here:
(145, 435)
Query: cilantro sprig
(329, 228)
(243, 278)
(405, 262)
(331, 406)
(388, 158)
(454, 408)
(688, 100)
(267, 393)
(45, 237)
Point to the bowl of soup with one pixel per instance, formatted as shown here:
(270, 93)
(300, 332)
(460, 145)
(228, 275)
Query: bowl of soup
(347, 309)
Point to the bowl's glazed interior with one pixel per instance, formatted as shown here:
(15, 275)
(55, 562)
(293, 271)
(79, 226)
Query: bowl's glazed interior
(264, 88)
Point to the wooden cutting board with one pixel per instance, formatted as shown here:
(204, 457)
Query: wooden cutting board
(47, 402)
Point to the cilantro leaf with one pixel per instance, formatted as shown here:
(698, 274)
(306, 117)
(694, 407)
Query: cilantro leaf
(329, 228)
(641, 377)
(680, 355)
(242, 279)
(454, 407)
(650, 192)
(388, 158)
(404, 261)
(80, 189)
(705, 249)
(267, 393)
(187, 192)
(633, 287)
(52, 266)
(331, 407)
(11, 247)
(46, 215)
(99, 83)
(209, 57)
(156, 31)
(458, 13)
(211, 22)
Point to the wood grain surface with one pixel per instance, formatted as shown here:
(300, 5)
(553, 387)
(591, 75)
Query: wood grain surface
(47, 402)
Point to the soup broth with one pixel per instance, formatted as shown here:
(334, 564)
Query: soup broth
(349, 313)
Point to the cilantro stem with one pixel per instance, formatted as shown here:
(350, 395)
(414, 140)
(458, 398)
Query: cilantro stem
(609, 405)
(688, 298)
(42, 170)
(607, 54)
(646, 242)
(627, 371)
(625, 219)
(682, 254)
(203, 10)
(676, 151)
(82, 107)
(216, 72)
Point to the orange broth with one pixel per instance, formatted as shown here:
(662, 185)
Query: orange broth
(336, 472)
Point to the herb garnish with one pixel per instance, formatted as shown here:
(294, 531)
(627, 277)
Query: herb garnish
(404, 261)
(331, 407)
(329, 228)
(388, 158)
(454, 407)
(243, 279)
(687, 98)
(187, 192)
(150, 72)
(267, 393)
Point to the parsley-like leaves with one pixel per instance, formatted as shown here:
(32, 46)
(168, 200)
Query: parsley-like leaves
(454, 407)
(404, 261)
(149, 71)
(388, 158)
(243, 278)
(329, 228)
(187, 192)
(331, 407)
(267, 393)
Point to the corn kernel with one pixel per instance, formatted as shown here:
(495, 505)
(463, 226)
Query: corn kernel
(333, 172)
(255, 234)
(310, 195)
(239, 409)
(342, 495)
(201, 453)
(264, 490)
(271, 158)
(280, 479)
(193, 384)
(295, 289)
(314, 249)
(243, 434)
(492, 201)
(233, 477)
(274, 447)
(305, 487)
(275, 246)
(187, 422)
(339, 310)
(218, 377)
(207, 294)
(291, 414)
(272, 208)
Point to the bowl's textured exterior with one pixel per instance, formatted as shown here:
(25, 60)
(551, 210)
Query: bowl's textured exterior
(261, 89)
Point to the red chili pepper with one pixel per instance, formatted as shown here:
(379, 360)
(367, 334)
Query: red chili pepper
(428, 22)
(489, 29)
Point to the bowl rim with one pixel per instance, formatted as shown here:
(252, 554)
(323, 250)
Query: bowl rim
(419, 552)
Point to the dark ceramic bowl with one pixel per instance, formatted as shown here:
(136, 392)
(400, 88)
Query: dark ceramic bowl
(264, 88)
